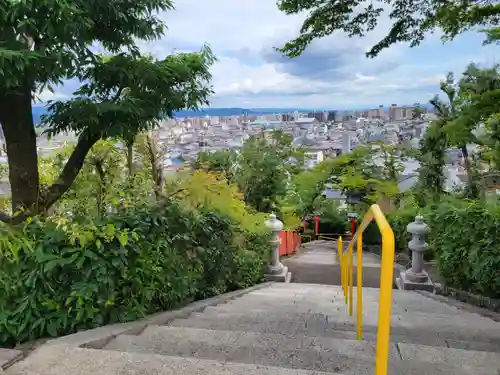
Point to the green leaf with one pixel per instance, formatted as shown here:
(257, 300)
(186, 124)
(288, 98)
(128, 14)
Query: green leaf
(123, 238)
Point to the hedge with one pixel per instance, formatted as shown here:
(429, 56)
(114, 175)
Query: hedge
(62, 276)
(466, 240)
(398, 220)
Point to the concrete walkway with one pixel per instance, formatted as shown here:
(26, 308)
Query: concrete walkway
(317, 263)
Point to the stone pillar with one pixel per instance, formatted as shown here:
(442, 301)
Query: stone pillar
(276, 271)
(416, 278)
(418, 229)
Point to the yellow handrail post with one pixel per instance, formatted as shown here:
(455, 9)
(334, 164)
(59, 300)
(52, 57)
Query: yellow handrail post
(346, 278)
(385, 303)
(343, 275)
(342, 265)
(386, 281)
(359, 286)
(339, 247)
(351, 281)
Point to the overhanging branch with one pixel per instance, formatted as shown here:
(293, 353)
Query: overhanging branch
(70, 170)
(63, 182)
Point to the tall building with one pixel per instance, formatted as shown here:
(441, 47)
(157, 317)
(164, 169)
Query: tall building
(214, 120)
(318, 115)
(399, 113)
(346, 142)
(331, 115)
(392, 112)
(381, 113)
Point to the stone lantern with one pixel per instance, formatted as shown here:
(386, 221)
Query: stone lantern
(276, 271)
(416, 278)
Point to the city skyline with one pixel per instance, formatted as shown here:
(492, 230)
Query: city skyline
(38, 111)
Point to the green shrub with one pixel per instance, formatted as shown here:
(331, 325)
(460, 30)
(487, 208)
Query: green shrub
(371, 235)
(466, 239)
(398, 220)
(308, 236)
(67, 275)
(333, 220)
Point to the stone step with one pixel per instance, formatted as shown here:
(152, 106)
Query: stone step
(372, 294)
(60, 360)
(327, 295)
(307, 353)
(274, 304)
(304, 315)
(429, 331)
(249, 347)
(370, 316)
(307, 289)
(407, 320)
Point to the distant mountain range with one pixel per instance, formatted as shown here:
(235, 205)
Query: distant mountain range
(224, 112)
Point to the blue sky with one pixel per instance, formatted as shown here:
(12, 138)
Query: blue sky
(332, 73)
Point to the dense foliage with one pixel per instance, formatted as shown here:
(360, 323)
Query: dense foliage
(114, 248)
(122, 93)
(63, 275)
(411, 20)
(260, 169)
(466, 241)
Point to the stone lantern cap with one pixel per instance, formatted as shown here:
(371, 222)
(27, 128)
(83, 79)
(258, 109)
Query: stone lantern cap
(418, 227)
(274, 224)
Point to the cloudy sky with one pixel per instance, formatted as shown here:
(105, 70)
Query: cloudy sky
(332, 73)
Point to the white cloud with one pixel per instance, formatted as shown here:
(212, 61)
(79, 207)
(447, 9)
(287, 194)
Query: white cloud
(362, 78)
(436, 79)
(333, 72)
(45, 95)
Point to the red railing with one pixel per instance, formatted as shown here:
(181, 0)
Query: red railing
(290, 242)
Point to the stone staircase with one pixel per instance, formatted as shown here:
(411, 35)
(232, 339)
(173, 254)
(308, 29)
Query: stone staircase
(285, 329)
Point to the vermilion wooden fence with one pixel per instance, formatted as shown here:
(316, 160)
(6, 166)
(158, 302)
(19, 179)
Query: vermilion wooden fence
(290, 242)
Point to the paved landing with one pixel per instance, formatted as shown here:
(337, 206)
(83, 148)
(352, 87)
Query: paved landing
(317, 263)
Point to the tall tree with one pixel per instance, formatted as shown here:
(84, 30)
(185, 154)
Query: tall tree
(480, 90)
(152, 155)
(431, 156)
(457, 124)
(262, 177)
(417, 111)
(46, 42)
(411, 20)
(224, 162)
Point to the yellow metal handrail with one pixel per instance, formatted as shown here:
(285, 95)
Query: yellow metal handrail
(386, 280)
(331, 237)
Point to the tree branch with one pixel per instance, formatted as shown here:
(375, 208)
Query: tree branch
(70, 170)
(171, 195)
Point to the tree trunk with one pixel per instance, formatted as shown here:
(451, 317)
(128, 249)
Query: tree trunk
(468, 170)
(130, 158)
(101, 198)
(156, 168)
(71, 169)
(20, 139)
